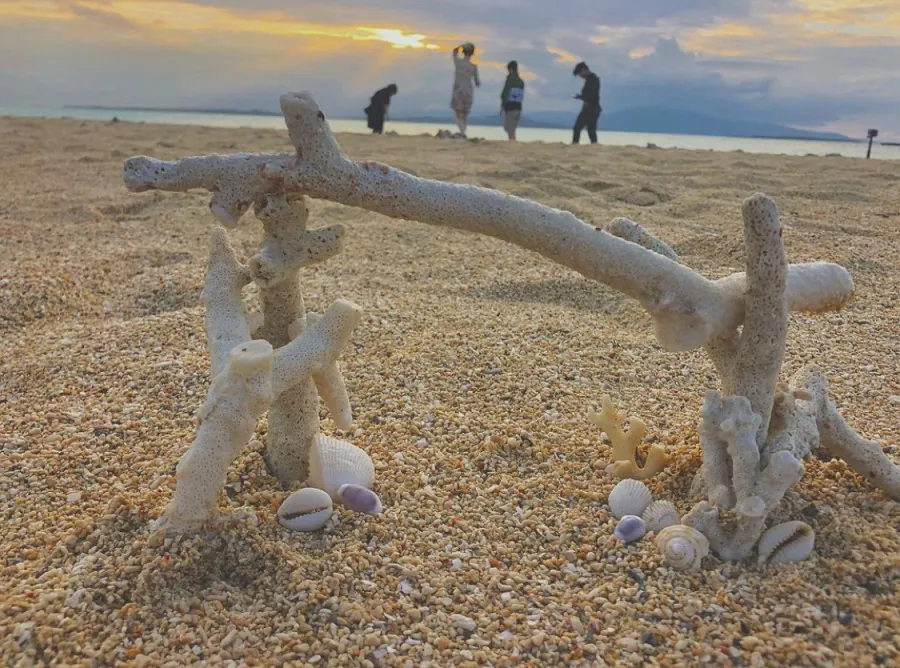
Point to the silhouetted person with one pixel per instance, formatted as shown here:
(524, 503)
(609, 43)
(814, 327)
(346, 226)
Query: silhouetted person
(590, 108)
(511, 99)
(377, 111)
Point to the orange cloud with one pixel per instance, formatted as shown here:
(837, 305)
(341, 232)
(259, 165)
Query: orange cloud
(179, 18)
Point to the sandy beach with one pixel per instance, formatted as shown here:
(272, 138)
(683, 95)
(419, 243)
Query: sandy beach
(471, 377)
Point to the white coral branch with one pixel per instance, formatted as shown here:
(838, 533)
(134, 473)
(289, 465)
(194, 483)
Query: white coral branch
(318, 346)
(330, 384)
(863, 456)
(633, 232)
(226, 320)
(237, 397)
(688, 310)
(763, 337)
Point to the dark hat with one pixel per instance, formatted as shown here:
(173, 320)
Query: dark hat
(579, 68)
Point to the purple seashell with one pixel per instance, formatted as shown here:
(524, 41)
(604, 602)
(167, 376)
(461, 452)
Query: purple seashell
(630, 528)
(359, 499)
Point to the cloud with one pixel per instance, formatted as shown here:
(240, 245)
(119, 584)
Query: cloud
(812, 63)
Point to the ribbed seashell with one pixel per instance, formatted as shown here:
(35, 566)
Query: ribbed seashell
(305, 510)
(682, 547)
(333, 463)
(360, 499)
(659, 515)
(784, 543)
(630, 528)
(629, 497)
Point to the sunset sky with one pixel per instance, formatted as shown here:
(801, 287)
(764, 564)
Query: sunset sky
(822, 64)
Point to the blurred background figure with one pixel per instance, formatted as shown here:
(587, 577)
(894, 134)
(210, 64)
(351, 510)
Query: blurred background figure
(590, 107)
(465, 75)
(511, 99)
(377, 111)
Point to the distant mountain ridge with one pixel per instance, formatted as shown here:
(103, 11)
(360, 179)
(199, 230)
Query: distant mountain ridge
(637, 119)
(653, 120)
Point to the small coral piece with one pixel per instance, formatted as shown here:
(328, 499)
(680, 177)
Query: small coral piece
(625, 444)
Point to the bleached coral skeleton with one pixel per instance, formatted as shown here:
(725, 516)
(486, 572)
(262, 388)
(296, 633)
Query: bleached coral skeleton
(754, 434)
(248, 378)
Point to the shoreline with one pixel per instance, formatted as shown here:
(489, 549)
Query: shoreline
(757, 145)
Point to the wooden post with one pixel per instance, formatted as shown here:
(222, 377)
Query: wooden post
(871, 134)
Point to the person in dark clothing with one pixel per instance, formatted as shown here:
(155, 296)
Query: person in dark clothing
(377, 110)
(511, 99)
(590, 107)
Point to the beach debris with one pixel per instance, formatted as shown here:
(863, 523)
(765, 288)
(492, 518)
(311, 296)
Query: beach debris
(334, 463)
(308, 509)
(248, 375)
(625, 444)
(630, 528)
(682, 547)
(659, 515)
(755, 432)
(785, 543)
(629, 497)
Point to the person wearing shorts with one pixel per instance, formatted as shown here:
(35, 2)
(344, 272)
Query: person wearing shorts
(511, 99)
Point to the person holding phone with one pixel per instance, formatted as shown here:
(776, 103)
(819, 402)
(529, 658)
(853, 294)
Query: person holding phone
(590, 104)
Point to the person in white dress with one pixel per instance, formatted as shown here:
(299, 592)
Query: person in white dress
(466, 75)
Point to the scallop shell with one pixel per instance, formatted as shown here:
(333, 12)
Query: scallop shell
(333, 463)
(630, 528)
(659, 515)
(360, 499)
(305, 510)
(629, 497)
(784, 543)
(682, 547)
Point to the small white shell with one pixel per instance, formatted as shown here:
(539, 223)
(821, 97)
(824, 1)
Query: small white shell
(630, 528)
(659, 515)
(305, 510)
(334, 463)
(682, 547)
(629, 497)
(784, 543)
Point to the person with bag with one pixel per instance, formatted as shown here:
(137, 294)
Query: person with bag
(511, 99)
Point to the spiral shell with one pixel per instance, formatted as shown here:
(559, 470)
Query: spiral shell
(784, 543)
(333, 463)
(659, 515)
(305, 510)
(682, 547)
(630, 528)
(629, 497)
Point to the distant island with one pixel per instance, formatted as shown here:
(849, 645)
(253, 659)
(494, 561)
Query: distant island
(637, 119)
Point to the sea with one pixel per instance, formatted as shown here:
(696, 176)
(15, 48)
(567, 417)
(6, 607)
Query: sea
(773, 146)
